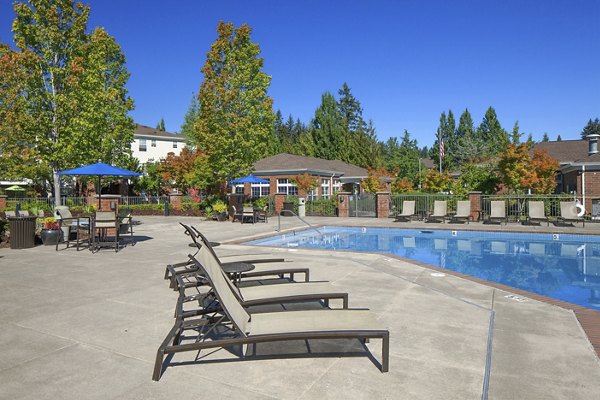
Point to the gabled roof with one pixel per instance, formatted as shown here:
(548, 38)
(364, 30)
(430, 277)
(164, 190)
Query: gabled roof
(146, 131)
(295, 164)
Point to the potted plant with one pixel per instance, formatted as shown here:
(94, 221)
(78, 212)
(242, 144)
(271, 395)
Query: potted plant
(220, 210)
(51, 232)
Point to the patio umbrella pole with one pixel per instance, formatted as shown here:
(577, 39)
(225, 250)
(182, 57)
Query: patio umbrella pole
(99, 192)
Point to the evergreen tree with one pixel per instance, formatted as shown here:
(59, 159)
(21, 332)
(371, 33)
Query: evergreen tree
(161, 125)
(491, 133)
(235, 121)
(592, 127)
(558, 138)
(189, 120)
(328, 135)
(530, 142)
(447, 128)
(515, 136)
(465, 125)
(545, 138)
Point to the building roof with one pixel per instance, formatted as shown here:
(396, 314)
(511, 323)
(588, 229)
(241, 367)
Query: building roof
(566, 151)
(146, 131)
(294, 164)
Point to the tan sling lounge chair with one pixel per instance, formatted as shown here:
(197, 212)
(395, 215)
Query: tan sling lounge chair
(440, 211)
(463, 211)
(536, 212)
(408, 211)
(498, 212)
(244, 328)
(568, 212)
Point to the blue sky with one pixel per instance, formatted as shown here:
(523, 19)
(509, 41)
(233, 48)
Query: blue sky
(537, 62)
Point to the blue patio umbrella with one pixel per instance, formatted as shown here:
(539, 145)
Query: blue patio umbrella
(99, 169)
(249, 179)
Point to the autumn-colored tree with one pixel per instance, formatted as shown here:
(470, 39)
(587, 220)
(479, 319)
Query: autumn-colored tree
(402, 186)
(235, 117)
(514, 165)
(375, 180)
(176, 171)
(73, 105)
(435, 182)
(542, 173)
(305, 182)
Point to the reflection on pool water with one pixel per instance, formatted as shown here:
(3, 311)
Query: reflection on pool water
(564, 267)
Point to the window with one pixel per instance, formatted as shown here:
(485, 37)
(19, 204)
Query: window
(153, 143)
(284, 186)
(142, 145)
(325, 192)
(239, 189)
(174, 145)
(337, 185)
(261, 189)
(312, 195)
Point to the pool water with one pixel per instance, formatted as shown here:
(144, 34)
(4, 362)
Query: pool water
(564, 267)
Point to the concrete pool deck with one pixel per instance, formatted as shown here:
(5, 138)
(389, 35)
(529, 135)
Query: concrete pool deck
(77, 325)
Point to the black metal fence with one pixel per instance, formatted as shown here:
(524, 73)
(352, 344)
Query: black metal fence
(517, 205)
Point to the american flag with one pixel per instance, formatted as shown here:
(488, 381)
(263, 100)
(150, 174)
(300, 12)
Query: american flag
(442, 148)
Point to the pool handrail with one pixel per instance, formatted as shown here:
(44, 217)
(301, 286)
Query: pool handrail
(297, 216)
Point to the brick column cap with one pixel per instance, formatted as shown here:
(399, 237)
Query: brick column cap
(475, 192)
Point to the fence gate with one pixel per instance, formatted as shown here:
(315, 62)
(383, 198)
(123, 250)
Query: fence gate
(362, 205)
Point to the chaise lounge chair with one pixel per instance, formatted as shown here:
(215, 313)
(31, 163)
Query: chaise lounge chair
(244, 328)
(440, 211)
(568, 212)
(259, 270)
(408, 211)
(498, 212)
(536, 213)
(463, 211)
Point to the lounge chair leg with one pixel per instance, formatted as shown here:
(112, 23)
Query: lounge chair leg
(326, 302)
(307, 276)
(160, 354)
(385, 352)
(345, 301)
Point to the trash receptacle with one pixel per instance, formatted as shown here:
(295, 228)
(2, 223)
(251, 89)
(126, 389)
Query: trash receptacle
(22, 232)
(301, 207)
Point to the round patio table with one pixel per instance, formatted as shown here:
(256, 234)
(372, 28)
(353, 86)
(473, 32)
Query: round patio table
(236, 269)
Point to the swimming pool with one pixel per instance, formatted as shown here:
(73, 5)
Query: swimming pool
(564, 267)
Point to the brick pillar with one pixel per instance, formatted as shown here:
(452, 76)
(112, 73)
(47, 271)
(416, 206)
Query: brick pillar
(279, 199)
(382, 201)
(343, 204)
(248, 190)
(108, 202)
(175, 200)
(3, 198)
(475, 199)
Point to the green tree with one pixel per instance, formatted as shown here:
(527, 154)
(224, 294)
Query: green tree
(530, 142)
(558, 138)
(491, 133)
(189, 120)
(482, 178)
(402, 157)
(235, 119)
(77, 101)
(161, 125)
(545, 138)
(515, 136)
(592, 127)
(447, 129)
(330, 140)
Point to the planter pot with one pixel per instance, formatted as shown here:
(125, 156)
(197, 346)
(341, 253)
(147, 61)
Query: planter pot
(50, 237)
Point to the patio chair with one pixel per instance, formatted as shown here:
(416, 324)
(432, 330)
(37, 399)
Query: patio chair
(261, 214)
(463, 211)
(248, 213)
(234, 326)
(71, 224)
(536, 212)
(125, 216)
(105, 225)
(23, 213)
(235, 214)
(440, 211)
(10, 214)
(408, 211)
(260, 270)
(498, 212)
(568, 212)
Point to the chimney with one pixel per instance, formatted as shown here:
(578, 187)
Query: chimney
(592, 143)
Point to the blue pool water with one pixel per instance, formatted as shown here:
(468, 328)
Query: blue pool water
(564, 267)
